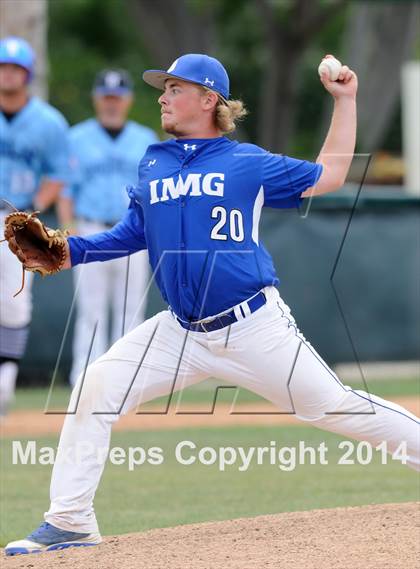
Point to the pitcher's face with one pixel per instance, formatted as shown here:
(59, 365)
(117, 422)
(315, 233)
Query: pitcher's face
(181, 106)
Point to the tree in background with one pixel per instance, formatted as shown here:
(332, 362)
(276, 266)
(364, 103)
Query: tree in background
(262, 43)
(86, 36)
(289, 29)
(28, 19)
(271, 47)
(171, 28)
(379, 38)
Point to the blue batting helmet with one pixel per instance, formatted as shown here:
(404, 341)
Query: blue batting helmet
(18, 51)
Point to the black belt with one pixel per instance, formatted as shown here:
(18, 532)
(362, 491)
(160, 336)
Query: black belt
(226, 319)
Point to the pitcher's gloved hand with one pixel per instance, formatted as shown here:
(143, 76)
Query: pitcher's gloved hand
(40, 249)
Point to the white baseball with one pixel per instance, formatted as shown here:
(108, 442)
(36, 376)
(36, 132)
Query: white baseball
(332, 66)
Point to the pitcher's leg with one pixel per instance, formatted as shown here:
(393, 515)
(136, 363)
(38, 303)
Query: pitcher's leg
(145, 364)
(270, 356)
(349, 412)
(370, 418)
(345, 411)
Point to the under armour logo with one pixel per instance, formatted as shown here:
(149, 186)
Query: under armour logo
(152, 162)
(190, 146)
(208, 82)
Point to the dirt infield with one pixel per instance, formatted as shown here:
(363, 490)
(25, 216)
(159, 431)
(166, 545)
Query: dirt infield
(370, 537)
(35, 423)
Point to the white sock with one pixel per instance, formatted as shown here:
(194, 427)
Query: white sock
(8, 375)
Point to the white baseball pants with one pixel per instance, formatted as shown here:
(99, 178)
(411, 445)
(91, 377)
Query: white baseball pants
(100, 287)
(264, 352)
(14, 312)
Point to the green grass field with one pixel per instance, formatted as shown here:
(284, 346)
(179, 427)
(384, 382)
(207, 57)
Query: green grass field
(36, 398)
(170, 494)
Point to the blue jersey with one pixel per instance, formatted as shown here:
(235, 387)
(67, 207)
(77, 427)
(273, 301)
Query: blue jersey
(33, 145)
(103, 166)
(196, 208)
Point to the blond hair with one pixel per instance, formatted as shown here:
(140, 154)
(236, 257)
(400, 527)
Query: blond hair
(227, 113)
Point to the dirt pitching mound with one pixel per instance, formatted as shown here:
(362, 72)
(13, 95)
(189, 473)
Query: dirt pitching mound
(373, 537)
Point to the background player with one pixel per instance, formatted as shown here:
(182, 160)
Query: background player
(33, 166)
(105, 152)
(196, 209)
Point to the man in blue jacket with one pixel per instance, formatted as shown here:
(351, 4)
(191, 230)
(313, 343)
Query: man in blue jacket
(105, 152)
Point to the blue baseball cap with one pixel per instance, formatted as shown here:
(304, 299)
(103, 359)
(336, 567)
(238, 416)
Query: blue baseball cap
(17, 51)
(195, 68)
(113, 82)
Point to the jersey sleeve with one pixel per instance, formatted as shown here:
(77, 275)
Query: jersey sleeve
(57, 151)
(122, 240)
(284, 179)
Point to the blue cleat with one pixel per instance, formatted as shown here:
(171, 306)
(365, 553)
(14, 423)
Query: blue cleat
(49, 538)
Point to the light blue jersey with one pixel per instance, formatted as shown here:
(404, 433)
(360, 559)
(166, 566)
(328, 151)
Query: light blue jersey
(33, 144)
(103, 166)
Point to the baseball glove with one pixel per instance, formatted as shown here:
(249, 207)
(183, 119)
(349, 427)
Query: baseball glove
(40, 249)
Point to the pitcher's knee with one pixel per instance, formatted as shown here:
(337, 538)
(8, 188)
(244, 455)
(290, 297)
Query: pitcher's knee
(88, 392)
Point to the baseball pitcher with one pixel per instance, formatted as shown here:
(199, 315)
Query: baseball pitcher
(196, 209)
